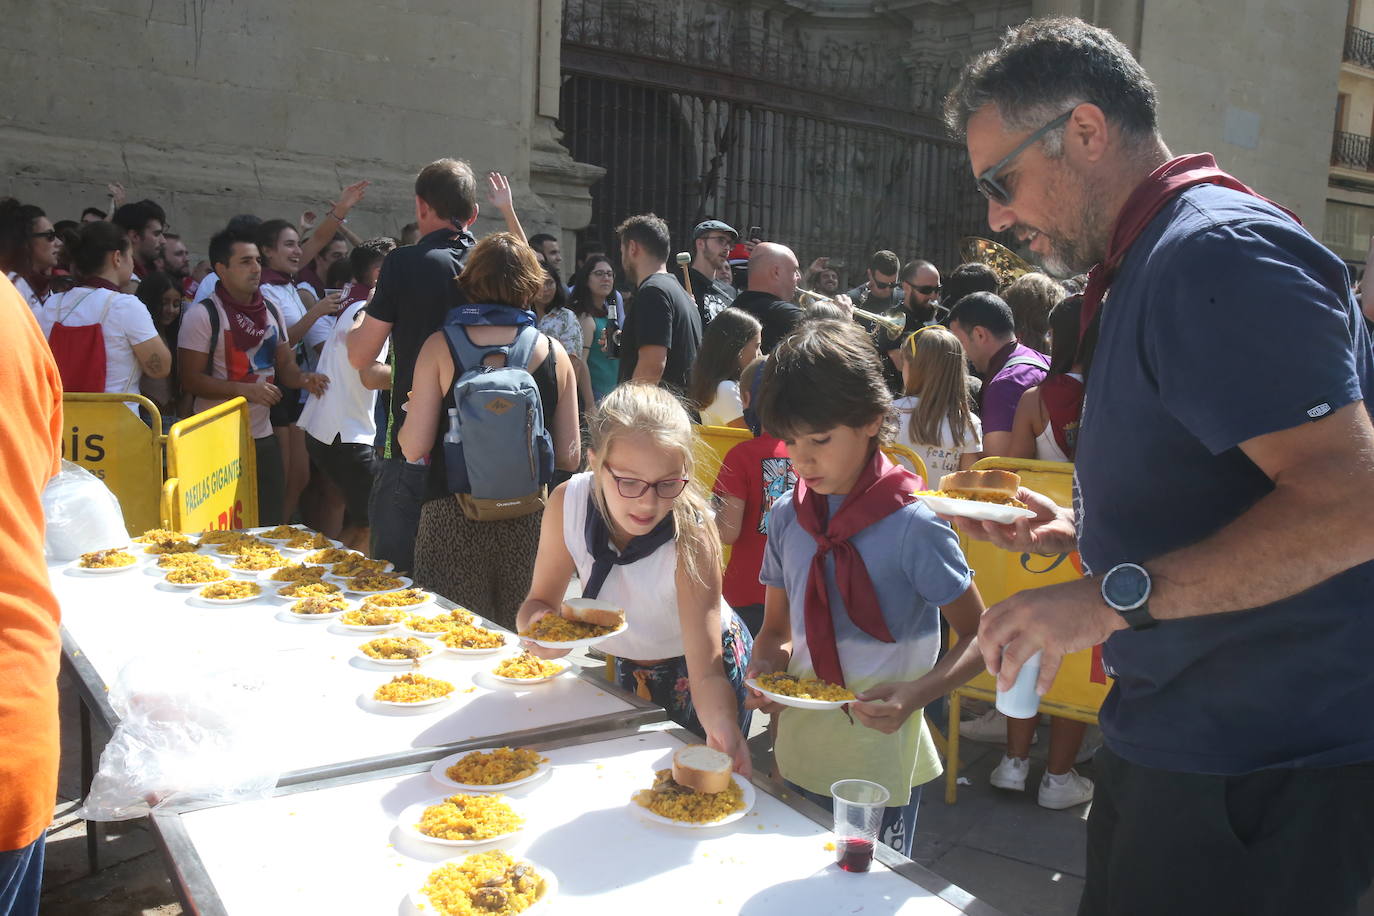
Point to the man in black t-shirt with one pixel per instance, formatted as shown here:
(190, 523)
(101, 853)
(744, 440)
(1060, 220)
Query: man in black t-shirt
(773, 276)
(661, 335)
(417, 287)
(711, 244)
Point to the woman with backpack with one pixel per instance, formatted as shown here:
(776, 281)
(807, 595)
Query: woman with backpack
(476, 545)
(103, 340)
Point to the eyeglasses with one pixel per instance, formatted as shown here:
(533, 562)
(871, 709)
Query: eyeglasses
(603, 273)
(923, 290)
(49, 234)
(879, 284)
(988, 182)
(634, 488)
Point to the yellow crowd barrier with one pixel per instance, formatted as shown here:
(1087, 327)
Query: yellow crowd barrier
(111, 441)
(1081, 685)
(715, 442)
(211, 471)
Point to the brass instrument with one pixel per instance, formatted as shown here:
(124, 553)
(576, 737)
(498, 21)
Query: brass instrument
(1007, 264)
(891, 323)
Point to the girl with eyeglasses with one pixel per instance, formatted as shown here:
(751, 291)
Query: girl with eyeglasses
(28, 249)
(592, 299)
(636, 530)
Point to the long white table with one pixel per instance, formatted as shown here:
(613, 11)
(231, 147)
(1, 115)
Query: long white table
(318, 686)
(333, 847)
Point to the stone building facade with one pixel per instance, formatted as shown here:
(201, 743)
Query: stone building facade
(253, 106)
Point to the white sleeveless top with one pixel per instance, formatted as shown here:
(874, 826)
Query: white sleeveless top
(646, 589)
(1046, 446)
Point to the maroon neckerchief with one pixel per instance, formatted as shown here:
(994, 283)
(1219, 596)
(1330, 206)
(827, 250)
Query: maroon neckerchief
(272, 277)
(881, 489)
(247, 322)
(1150, 196)
(98, 283)
(355, 292)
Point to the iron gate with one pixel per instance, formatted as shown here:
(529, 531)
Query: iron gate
(824, 159)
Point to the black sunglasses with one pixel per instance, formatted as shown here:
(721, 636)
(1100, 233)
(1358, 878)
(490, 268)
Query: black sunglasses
(879, 284)
(988, 182)
(925, 290)
(49, 234)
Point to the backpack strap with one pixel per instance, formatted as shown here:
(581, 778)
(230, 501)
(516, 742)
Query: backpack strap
(468, 354)
(1026, 361)
(214, 335)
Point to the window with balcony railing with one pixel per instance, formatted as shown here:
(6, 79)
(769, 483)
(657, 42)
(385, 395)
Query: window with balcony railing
(1359, 47)
(1350, 151)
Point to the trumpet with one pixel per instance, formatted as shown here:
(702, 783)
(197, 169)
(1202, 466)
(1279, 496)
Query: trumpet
(892, 325)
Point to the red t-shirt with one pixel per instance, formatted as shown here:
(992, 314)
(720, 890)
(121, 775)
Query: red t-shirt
(30, 449)
(758, 472)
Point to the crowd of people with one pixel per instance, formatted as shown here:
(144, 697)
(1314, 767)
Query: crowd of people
(457, 407)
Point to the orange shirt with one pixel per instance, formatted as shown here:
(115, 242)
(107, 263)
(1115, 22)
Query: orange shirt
(30, 452)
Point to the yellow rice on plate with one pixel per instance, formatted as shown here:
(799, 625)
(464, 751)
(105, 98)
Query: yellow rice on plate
(495, 767)
(113, 558)
(412, 688)
(226, 591)
(527, 667)
(469, 817)
(553, 628)
(679, 803)
(803, 688)
(395, 648)
(485, 883)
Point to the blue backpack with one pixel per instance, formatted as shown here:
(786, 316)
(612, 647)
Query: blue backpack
(498, 453)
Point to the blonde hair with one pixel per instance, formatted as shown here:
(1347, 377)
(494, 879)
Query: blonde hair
(937, 373)
(639, 409)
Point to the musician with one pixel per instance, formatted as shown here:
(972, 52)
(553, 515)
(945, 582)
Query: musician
(880, 292)
(773, 276)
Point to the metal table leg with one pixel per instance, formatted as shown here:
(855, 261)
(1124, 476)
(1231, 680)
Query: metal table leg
(87, 777)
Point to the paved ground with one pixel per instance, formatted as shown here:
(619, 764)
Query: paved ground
(999, 846)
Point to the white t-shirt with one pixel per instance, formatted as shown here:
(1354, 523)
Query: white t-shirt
(942, 458)
(646, 589)
(26, 291)
(126, 323)
(726, 408)
(346, 409)
(288, 298)
(206, 287)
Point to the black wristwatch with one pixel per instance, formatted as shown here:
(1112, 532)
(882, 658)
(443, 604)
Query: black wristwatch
(1126, 589)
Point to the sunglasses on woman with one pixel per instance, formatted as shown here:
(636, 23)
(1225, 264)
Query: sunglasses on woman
(991, 186)
(49, 234)
(634, 488)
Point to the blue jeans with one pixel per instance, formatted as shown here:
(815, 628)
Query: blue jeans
(21, 878)
(898, 828)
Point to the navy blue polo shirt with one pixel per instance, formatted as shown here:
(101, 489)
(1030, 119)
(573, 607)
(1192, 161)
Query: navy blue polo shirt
(1227, 321)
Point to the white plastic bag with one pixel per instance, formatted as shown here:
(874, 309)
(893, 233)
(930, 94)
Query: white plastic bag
(82, 514)
(190, 730)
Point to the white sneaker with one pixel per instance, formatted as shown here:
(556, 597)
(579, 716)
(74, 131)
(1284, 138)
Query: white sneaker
(1060, 792)
(991, 727)
(1011, 774)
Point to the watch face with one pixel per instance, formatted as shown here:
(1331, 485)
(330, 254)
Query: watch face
(1126, 586)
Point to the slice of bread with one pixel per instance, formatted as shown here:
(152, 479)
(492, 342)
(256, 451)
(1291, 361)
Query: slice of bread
(987, 485)
(593, 611)
(702, 769)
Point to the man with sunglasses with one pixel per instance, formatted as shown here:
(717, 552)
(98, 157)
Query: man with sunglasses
(712, 240)
(881, 291)
(1222, 496)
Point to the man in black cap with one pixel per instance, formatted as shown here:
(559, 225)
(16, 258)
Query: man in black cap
(711, 243)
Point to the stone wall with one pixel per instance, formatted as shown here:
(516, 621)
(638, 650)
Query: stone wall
(253, 106)
(1253, 82)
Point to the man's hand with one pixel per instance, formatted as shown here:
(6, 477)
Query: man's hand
(351, 195)
(317, 383)
(845, 303)
(1050, 532)
(261, 392)
(117, 194)
(885, 707)
(498, 191)
(818, 265)
(1054, 620)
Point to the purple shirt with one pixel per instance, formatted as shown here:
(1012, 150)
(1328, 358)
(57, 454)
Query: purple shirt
(1003, 391)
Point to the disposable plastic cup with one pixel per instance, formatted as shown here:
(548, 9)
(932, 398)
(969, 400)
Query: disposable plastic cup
(1021, 701)
(858, 806)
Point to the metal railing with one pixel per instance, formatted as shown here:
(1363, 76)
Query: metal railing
(1351, 151)
(1359, 47)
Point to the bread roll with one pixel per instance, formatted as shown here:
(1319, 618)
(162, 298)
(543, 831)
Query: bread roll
(989, 486)
(702, 769)
(593, 611)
